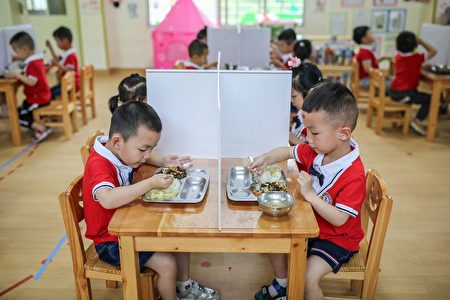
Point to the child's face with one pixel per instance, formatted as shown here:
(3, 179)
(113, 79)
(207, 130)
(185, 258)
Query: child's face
(62, 43)
(136, 151)
(201, 60)
(368, 38)
(297, 99)
(324, 135)
(285, 47)
(22, 52)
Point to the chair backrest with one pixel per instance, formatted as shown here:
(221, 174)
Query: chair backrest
(68, 89)
(87, 82)
(355, 78)
(85, 149)
(377, 87)
(376, 209)
(70, 203)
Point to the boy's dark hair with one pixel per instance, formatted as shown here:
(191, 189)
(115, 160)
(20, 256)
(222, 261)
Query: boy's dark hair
(288, 35)
(22, 39)
(203, 33)
(63, 32)
(196, 47)
(308, 75)
(359, 33)
(303, 49)
(406, 42)
(131, 88)
(127, 119)
(335, 99)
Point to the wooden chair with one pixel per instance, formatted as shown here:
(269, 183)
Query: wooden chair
(86, 264)
(363, 268)
(379, 102)
(87, 92)
(85, 149)
(61, 112)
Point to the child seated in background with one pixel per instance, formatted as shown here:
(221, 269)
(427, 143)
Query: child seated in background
(135, 130)
(198, 56)
(407, 76)
(365, 57)
(134, 88)
(303, 50)
(283, 48)
(68, 60)
(335, 187)
(36, 88)
(308, 75)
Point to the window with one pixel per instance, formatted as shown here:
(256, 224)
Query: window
(233, 12)
(158, 9)
(46, 7)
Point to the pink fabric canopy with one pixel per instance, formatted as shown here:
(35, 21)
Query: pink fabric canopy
(172, 37)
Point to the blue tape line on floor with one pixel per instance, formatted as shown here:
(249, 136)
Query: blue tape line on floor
(25, 150)
(50, 257)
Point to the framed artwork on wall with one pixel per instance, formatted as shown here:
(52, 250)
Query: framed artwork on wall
(384, 2)
(380, 21)
(397, 20)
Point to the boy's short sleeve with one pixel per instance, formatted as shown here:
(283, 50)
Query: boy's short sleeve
(71, 62)
(350, 199)
(302, 153)
(33, 72)
(102, 176)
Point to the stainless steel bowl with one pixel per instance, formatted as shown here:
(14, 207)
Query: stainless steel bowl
(275, 204)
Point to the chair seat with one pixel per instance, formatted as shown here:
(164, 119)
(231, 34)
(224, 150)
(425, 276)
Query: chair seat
(391, 105)
(96, 266)
(357, 262)
(55, 107)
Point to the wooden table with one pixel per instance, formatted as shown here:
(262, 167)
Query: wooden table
(194, 228)
(438, 83)
(9, 87)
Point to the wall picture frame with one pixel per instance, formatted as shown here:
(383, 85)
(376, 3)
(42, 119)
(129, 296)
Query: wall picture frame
(384, 2)
(380, 20)
(397, 20)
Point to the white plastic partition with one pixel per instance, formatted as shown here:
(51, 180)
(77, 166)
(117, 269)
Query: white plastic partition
(254, 111)
(439, 37)
(7, 33)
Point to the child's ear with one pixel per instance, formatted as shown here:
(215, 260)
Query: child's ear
(117, 141)
(345, 133)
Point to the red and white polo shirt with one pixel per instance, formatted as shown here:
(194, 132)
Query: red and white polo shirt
(344, 186)
(407, 71)
(103, 171)
(69, 59)
(35, 70)
(365, 56)
(189, 65)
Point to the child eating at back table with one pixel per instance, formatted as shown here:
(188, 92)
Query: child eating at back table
(36, 88)
(133, 89)
(68, 60)
(303, 50)
(283, 49)
(365, 57)
(198, 56)
(407, 76)
(335, 186)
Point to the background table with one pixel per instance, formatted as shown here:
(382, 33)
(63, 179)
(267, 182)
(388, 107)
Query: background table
(438, 83)
(9, 87)
(194, 228)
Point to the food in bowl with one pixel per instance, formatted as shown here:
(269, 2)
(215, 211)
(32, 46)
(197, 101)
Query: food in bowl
(164, 194)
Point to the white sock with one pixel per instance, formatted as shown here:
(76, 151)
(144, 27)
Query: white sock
(184, 285)
(282, 282)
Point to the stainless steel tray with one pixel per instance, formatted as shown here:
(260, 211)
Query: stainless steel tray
(192, 190)
(239, 183)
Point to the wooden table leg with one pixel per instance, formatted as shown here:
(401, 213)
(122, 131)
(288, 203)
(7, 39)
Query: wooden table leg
(436, 90)
(11, 103)
(130, 268)
(297, 268)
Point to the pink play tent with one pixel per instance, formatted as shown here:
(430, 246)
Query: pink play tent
(172, 37)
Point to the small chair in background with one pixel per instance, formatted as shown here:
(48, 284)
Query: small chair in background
(86, 263)
(85, 149)
(61, 112)
(386, 109)
(363, 268)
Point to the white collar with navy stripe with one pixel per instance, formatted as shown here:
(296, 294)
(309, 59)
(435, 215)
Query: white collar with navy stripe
(67, 53)
(367, 47)
(189, 63)
(123, 171)
(333, 170)
(33, 57)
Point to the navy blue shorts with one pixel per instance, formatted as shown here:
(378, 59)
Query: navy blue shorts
(333, 254)
(109, 253)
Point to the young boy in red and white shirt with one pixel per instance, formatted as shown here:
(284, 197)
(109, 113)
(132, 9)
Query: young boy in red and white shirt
(365, 57)
(335, 186)
(407, 76)
(68, 60)
(36, 88)
(107, 185)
